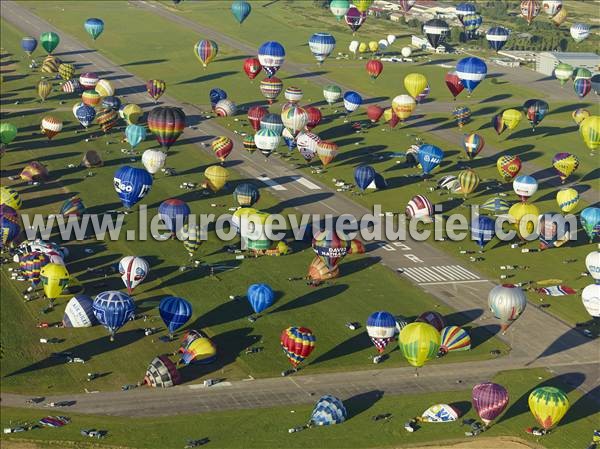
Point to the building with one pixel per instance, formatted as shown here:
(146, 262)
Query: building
(545, 62)
(518, 55)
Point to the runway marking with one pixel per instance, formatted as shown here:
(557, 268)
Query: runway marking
(440, 274)
(306, 183)
(268, 181)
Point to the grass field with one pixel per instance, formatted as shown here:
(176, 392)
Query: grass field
(267, 428)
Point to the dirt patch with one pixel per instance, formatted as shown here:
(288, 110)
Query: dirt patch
(21, 444)
(478, 443)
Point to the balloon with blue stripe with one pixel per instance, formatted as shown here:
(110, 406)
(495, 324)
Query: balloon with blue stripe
(471, 71)
(174, 212)
(321, 45)
(497, 37)
(241, 10)
(352, 101)
(79, 312)
(483, 230)
(463, 9)
(429, 157)
(135, 134)
(175, 312)
(271, 55)
(272, 122)
(132, 184)
(328, 410)
(260, 297)
(381, 328)
(94, 27)
(113, 309)
(215, 95)
(363, 176)
(111, 102)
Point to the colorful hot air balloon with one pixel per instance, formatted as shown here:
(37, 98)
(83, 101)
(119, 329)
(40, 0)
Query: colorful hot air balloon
(415, 84)
(51, 126)
(374, 68)
(156, 88)
(133, 271)
(529, 10)
(215, 95)
(471, 71)
(339, 8)
(107, 119)
(327, 151)
(49, 41)
(162, 372)
(206, 50)
(374, 112)
(508, 166)
(72, 207)
(222, 147)
(454, 84)
(390, 117)
(582, 82)
(419, 207)
(352, 101)
(471, 23)
(55, 279)
(462, 115)
(589, 129)
(363, 176)
(104, 88)
(473, 144)
(319, 272)
(43, 89)
(548, 405)
(525, 186)
(196, 347)
(559, 18)
(66, 71)
(314, 117)
(246, 194)
(419, 342)
(273, 123)
(507, 302)
(354, 18)
(511, 118)
(90, 98)
(271, 88)
(79, 312)
(579, 115)
(294, 119)
(484, 230)
(30, 263)
(321, 45)
(436, 31)
(332, 93)
(29, 44)
(260, 297)
(552, 7)
(216, 177)
(403, 106)
(271, 55)
(293, 95)
(175, 312)
(454, 338)
(267, 141)
(565, 164)
(252, 67)
(94, 27)
(567, 199)
(132, 184)
(435, 319)
(131, 113)
(297, 344)
(192, 238)
(307, 144)
(10, 225)
(429, 157)
(563, 72)
(592, 263)
(590, 221)
(489, 400)
(330, 247)
(328, 410)
(34, 171)
(174, 212)
(241, 10)
(167, 124)
(112, 102)
(524, 216)
(113, 309)
(255, 115)
(469, 181)
(381, 328)
(496, 205)
(497, 37)
(50, 65)
(249, 144)
(464, 9)
(535, 110)
(88, 80)
(10, 198)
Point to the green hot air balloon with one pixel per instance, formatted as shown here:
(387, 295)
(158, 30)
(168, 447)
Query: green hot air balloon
(49, 41)
(8, 132)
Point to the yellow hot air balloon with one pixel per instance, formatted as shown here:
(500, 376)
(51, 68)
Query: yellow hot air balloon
(548, 405)
(373, 46)
(415, 84)
(520, 211)
(44, 88)
(512, 118)
(10, 197)
(362, 5)
(131, 113)
(469, 180)
(419, 342)
(104, 88)
(362, 47)
(565, 164)
(579, 115)
(55, 279)
(590, 131)
(559, 17)
(567, 199)
(403, 106)
(216, 177)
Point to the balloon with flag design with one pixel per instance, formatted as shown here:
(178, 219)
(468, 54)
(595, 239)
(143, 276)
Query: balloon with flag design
(381, 328)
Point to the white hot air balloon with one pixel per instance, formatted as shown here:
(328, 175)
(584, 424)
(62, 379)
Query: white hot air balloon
(579, 31)
(307, 143)
(391, 38)
(406, 52)
(153, 160)
(353, 47)
(590, 296)
(507, 303)
(133, 271)
(383, 44)
(551, 7)
(592, 263)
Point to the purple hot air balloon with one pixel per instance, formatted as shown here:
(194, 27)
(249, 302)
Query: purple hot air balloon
(489, 400)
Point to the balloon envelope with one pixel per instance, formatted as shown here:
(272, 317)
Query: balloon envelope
(175, 312)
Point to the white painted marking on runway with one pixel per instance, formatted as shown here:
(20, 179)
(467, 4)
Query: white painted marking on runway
(440, 274)
(306, 183)
(454, 282)
(268, 181)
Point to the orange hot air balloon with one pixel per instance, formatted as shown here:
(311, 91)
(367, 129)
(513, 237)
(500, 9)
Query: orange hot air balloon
(327, 151)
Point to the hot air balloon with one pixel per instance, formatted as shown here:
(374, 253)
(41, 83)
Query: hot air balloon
(498, 124)
(321, 45)
(156, 88)
(249, 144)
(589, 129)
(175, 312)
(79, 312)
(10, 197)
(497, 37)
(319, 272)
(524, 216)
(471, 71)
(49, 41)
(307, 143)
(34, 171)
(133, 270)
(582, 82)
(525, 186)
(153, 160)
(104, 88)
(374, 112)
(508, 166)
(332, 93)
(135, 135)
(66, 71)
(415, 84)
(419, 207)
(507, 302)
(246, 194)
(592, 263)
(132, 184)
(88, 80)
(590, 221)
(8, 132)
(192, 238)
(381, 327)
(293, 95)
(174, 212)
(273, 123)
(167, 124)
(563, 72)
(529, 10)
(579, 32)
(271, 88)
(314, 117)
(29, 44)
(113, 309)
(512, 118)
(267, 141)
(429, 157)
(454, 84)
(374, 68)
(10, 225)
(590, 297)
(439, 413)
(294, 119)
(435, 319)
(354, 18)
(390, 117)
(330, 247)
(535, 110)
(559, 18)
(216, 177)
(419, 342)
(43, 89)
(565, 164)
(471, 23)
(241, 10)
(403, 106)
(72, 207)
(107, 119)
(352, 101)
(464, 9)
(252, 67)
(90, 98)
(484, 230)
(255, 115)
(131, 113)
(55, 279)
(196, 347)
(496, 205)
(548, 405)
(271, 55)
(473, 144)
(489, 400)
(215, 95)
(339, 8)
(327, 151)
(30, 263)
(225, 108)
(462, 115)
(329, 410)
(260, 297)
(72, 86)
(436, 31)
(579, 115)
(51, 126)
(567, 199)
(363, 176)
(469, 181)
(454, 338)
(50, 65)
(206, 50)
(94, 27)
(297, 344)
(551, 7)
(162, 373)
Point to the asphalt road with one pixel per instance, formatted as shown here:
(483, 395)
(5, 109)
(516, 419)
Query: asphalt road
(543, 340)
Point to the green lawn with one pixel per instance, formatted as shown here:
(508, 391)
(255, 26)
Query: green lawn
(267, 428)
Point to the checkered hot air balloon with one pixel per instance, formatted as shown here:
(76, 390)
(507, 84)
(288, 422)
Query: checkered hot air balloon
(461, 115)
(162, 373)
(66, 71)
(297, 344)
(328, 410)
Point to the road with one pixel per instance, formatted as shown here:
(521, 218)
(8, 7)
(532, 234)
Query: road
(544, 341)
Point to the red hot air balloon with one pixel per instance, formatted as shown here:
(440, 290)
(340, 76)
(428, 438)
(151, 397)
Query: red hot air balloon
(314, 117)
(374, 112)
(489, 400)
(297, 343)
(374, 68)
(454, 84)
(255, 115)
(167, 124)
(252, 67)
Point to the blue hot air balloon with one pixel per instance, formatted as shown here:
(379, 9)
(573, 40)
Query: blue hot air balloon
(260, 296)
(497, 37)
(113, 309)
(135, 134)
(84, 113)
(29, 44)
(352, 101)
(429, 157)
(111, 102)
(94, 27)
(471, 71)
(272, 122)
(132, 184)
(321, 45)
(79, 312)
(381, 328)
(483, 230)
(363, 176)
(174, 213)
(175, 312)
(215, 95)
(246, 194)
(329, 410)
(271, 56)
(463, 9)
(590, 220)
(241, 10)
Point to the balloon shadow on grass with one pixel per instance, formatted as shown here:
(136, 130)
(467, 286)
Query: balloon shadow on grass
(481, 334)
(313, 297)
(356, 343)
(144, 62)
(307, 75)
(585, 406)
(463, 317)
(357, 404)
(493, 98)
(461, 407)
(209, 77)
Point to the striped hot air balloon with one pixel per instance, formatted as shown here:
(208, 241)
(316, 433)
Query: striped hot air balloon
(90, 98)
(327, 151)
(469, 180)
(206, 50)
(88, 80)
(454, 338)
(297, 344)
(271, 88)
(462, 115)
(166, 123)
(51, 126)
(156, 88)
(222, 147)
(107, 119)
(473, 144)
(44, 88)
